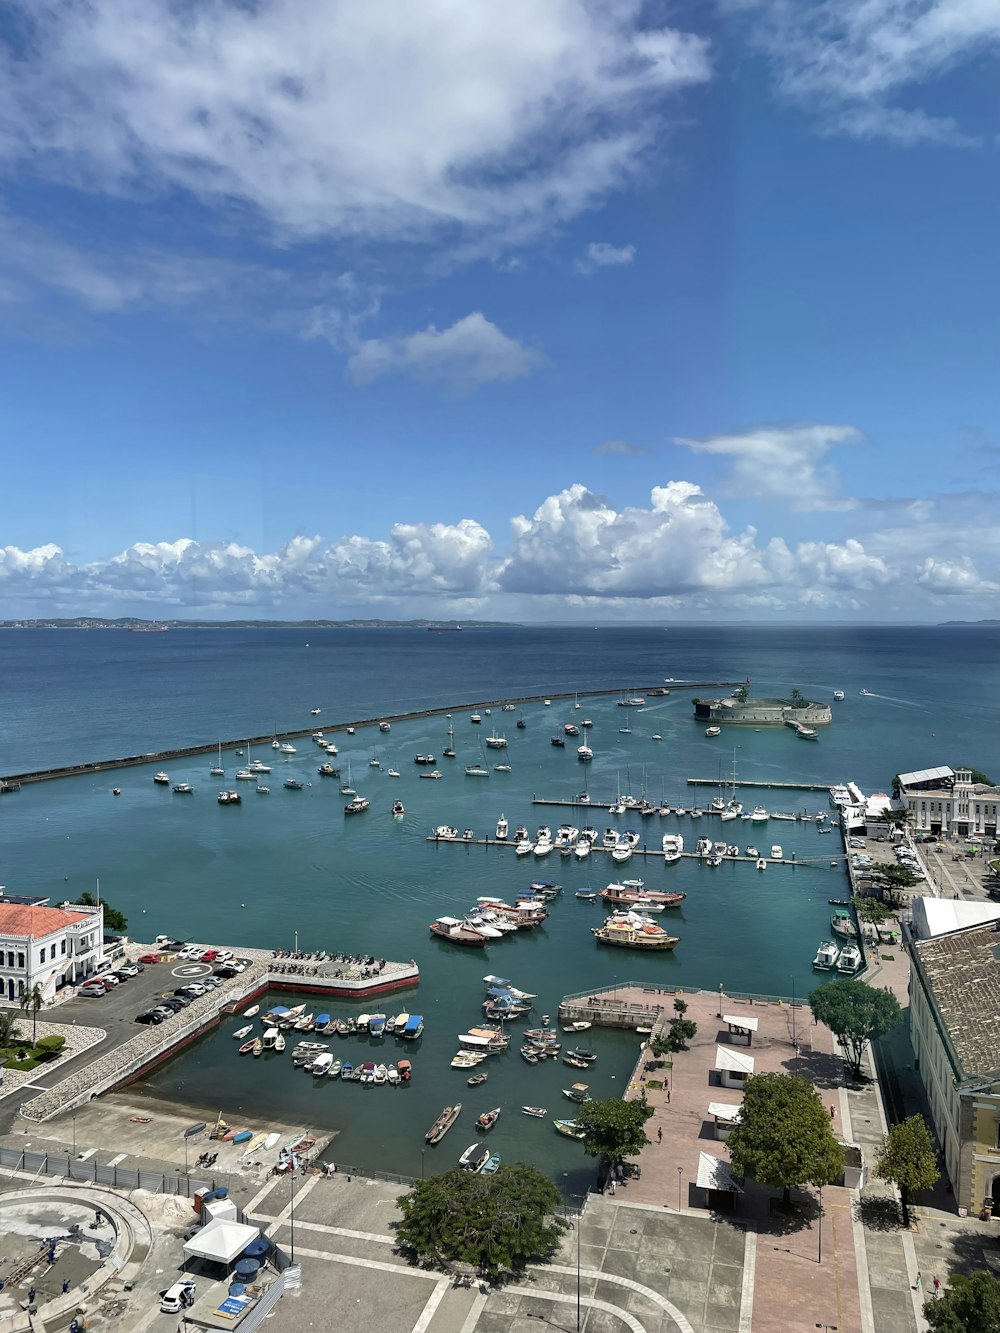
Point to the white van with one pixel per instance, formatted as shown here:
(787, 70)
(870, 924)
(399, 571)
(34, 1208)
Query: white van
(178, 1297)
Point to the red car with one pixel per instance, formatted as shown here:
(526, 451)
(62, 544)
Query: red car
(149, 958)
(210, 955)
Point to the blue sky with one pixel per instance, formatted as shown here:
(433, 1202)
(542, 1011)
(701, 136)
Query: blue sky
(533, 312)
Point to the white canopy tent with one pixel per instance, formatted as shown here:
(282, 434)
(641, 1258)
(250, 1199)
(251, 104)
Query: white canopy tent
(715, 1174)
(724, 1111)
(222, 1241)
(741, 1025)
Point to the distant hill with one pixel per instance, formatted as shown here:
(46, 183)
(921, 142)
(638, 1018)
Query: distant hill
(131, 622)
(969, 624)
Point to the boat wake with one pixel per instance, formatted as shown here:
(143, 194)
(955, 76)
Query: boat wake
(900, 703)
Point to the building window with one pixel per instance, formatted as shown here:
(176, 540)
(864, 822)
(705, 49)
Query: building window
(20, 960)
(10, 957)
(63, 949)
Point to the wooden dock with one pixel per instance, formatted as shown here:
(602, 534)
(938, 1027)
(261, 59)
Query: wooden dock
(747, 782)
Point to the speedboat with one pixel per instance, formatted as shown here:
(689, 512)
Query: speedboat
(161, 779)
(501, 829)
(287, 748)
(582, 849)
(777, 854)
(446, 831)
(673, 847)
(759, 815)
(713, 731)
(398, 809)
(183, 788)
(838, 695)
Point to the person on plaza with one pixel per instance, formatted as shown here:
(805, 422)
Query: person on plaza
(65, 1285)
(916, 1285)
(937, 1285)
(659, 1135)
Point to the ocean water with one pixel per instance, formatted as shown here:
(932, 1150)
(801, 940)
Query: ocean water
(290, 864)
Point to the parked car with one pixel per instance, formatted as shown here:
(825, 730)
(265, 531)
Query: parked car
(92, 991)
(178, 1297)
(194, 990)
(149, 1016)
(109, 980)
(223, 955)
(209, 955)
(149, 958)
(210, 983)
(191, 952)
(176, 1002)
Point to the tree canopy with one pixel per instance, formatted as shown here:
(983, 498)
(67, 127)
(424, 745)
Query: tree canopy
(614, 1128)
(907, 1159)
(856, 1013)
(968, 1305)
(783, 1136)
(113, 919)
(496, 1223)
(872, 909)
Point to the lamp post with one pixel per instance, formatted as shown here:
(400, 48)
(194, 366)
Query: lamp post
(421, 1163)
(579, 1224)
(819, 1253)
(74, 1133)
(291, 1213)
(680, 1176)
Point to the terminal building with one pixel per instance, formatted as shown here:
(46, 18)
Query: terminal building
(954, 1000)
(47, 947)
(947, 801)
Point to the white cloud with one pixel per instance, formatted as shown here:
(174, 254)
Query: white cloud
(390, 120)
(783, 463)
(470, 352)
(848, 59)
(577, 553)
(601, 254)
(622, 449)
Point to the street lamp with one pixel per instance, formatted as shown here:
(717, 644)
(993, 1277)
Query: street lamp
(291, 1213)
(680, 1175)
(819, 1255)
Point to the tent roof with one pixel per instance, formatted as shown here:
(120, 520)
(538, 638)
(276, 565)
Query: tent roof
(715, 1174)
(221, 1241)
(724, 1111)
(922, 775)
(737, 1062)
(741, 1021)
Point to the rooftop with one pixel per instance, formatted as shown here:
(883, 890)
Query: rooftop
(923, 775)
(34, 922)
(963, 974)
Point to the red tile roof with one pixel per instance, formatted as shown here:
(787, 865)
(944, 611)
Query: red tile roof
(34, 922)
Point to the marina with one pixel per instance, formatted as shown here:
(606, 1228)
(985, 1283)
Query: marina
(299, 877)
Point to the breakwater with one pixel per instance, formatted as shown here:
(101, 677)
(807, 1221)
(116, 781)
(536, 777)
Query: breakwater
(12, 781)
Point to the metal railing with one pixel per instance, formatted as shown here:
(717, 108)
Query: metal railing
(651, 988)
(91, 1172)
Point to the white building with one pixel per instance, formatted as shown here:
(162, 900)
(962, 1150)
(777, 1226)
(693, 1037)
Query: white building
(48, 947)
(942, 800)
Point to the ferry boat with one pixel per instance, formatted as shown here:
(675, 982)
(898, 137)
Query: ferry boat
(629, 894)
(355, 807)
(629, 930)
(183, 788)
(826, 956)
(842, 923)
(713, 731)
(161, 779)
(838, 695)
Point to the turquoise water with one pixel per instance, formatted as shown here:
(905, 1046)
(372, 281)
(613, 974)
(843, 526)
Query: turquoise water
(291, 863)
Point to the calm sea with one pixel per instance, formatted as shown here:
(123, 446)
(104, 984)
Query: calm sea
(290, 864)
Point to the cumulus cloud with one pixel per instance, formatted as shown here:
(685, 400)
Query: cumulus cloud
(470, 352)
(783, 463)
(577, 552)
(389, 120)
(848, 59)
(600, 254)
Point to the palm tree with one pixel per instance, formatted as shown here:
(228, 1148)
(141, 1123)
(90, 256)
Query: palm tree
(8, 1028)
(34, 1000)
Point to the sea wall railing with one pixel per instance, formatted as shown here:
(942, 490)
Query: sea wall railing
(91, 1172)
(652, 988)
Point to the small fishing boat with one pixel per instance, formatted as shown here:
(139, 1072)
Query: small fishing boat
(571, 1128)
(577, 1092)
(443, 1123)
(575, 1062)
(258, 1047)
(242, 1033)
(586, 895)
(252, 1012)
(538, 1112)
(476, 1079)
(242, 1136)
(492, 1164)
(488, 1119)
(474, 1158)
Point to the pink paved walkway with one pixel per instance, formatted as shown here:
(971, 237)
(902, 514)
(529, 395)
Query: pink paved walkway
(792, 1288)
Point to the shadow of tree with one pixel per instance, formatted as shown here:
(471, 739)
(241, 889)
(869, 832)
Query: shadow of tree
(879, 1213)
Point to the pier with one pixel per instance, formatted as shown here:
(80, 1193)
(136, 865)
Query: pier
(655, 852)
(12, 782)
(749, 782)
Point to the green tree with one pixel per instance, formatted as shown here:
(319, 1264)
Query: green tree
(799, 700)
(113, 919)
(681, 1032)
(743, 693)
(971, 1305)
(783, 1136)
(891, 881)
(614, 1128)
(9, 1035)
(978, 776)
(660, 1046)
(872, 909)
(33, 1000)
(497, 1223)
(907, 1159)
(895, 818)
(680, 1008)
(856, 1013)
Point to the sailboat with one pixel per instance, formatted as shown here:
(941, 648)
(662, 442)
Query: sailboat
(477, 770)
(576, 700)
(346, 788)
(218, 771)
(449, 750)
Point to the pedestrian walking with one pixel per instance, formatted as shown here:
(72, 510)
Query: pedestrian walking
(937, 1285)
(614, 1186)
(659, 1136)
(916, 1285)
(31, 1295)
(65, 1285)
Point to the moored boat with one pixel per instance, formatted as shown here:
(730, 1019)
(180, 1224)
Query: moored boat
(826, 956)
(572, 1129)
(474, 1158)
(457, 932)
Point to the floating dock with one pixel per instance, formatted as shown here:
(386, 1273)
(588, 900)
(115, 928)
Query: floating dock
(636, 851)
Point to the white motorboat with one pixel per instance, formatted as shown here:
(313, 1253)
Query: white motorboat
(392, 773)
(673, 847)
(446, 831)
(523, 846)
(850, 959)
(502, 829)
(582, 849)
(838, 695)
(245, 775)
(257, 766)
(758, 815)
(826, 956)
(777, 854)
(286, 747)
(161, 779)
(610, 840)
(584, 753)
(761, 863)
(543, 842)
(622, 852)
